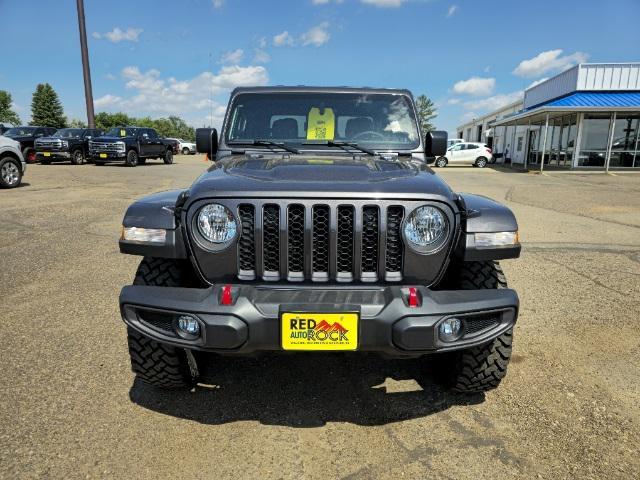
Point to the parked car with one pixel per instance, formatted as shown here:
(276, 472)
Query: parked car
(320, 227)
(67, 144)
(471, 153)
(131, 145)
(12, 164)
(453, 141)
(4, 127)
(27, 136)
(185, 147)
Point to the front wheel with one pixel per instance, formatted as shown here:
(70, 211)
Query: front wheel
(10, 173)
(441, 162)
(132, 158)
(29, 155)
(168, 157)
(77, 157)
(185, 151)
(481, 368)
(481, 162)
(155, 363)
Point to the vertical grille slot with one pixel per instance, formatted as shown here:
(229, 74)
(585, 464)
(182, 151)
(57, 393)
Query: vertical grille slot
(295, 244)
(344, 240)
(320, 243)
(271, 242)
(247, 244)
(393, 256)
(370, 224)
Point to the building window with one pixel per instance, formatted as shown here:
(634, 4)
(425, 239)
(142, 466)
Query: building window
(595, 139)
(519, 144)
(624, 149)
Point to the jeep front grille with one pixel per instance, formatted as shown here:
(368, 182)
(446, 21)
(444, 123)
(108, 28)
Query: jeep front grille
(294, 241)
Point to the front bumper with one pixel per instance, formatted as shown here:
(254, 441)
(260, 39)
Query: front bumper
(252, 323)
(106, 156)
(52, 155)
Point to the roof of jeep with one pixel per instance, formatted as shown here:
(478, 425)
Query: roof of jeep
(303, 88)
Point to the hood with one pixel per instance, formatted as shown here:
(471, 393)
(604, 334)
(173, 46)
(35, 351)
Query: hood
(320, 177)
(9, 142)
(50, 139)
(111, 139)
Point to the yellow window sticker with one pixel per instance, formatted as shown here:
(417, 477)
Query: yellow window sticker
(123, 133)
(321, 126)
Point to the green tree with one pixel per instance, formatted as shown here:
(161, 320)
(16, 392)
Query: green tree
(46, 109)
(173, 127)
(105, 120)
(426, 113)
(6, 113)
(77, 123)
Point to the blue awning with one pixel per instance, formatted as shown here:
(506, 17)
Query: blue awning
(597, 100)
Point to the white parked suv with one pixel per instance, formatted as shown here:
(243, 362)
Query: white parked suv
(185, 147)
(12, 164)
(471, 153)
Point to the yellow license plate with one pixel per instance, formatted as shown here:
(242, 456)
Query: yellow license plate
(103, 155)
(319, 331)
(47, 154)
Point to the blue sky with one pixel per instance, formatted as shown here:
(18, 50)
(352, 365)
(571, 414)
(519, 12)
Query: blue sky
(167, 57)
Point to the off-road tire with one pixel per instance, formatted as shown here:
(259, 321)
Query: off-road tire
(168, 157)
(481, 368)
(155, 363)
(132, 158)
(77, 157)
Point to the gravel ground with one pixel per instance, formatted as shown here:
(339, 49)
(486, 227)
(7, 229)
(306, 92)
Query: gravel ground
(71, 409)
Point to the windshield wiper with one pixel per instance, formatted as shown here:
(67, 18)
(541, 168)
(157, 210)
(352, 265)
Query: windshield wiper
(332, 143)
(268, 143)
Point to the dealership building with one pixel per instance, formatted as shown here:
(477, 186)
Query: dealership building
(586, 117)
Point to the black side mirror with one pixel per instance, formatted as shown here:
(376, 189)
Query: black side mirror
(435, 143)
(207, 141)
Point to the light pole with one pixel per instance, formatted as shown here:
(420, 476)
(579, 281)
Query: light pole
(86, 71)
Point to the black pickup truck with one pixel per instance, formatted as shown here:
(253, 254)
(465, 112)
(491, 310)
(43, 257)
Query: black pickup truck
(67, 144)
(320, 227)
(131, 145)
(27, 136)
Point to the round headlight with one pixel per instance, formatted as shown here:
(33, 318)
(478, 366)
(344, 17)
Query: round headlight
(216, 223)
(425, 227)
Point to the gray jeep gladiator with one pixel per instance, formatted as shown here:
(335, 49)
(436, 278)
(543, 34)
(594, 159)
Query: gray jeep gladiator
(320, 227)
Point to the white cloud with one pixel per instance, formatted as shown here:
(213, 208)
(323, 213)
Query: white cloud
(384, 3)
(153, 94)
(107, 101)
(453, 9)
(453, 101)
(549, 61)
(537, 82)
(475, 86)
(117, 35)
(320, 2)
(217, 3)
(234, 56)
(467, 117)
(110, 76)
(495, 102)
(316, 36)
(283, 39)
(261, 56)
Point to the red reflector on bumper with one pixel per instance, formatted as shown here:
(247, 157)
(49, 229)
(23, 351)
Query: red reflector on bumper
(226, 298)
(413, 299)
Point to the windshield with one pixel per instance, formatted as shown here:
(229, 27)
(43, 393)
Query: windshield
(68, 133)
(122, 132)
(382, 121)
(20, 131)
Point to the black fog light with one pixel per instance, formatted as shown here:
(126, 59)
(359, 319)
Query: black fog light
(188, 327)
(450, 329)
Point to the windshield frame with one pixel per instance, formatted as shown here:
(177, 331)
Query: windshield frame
(303, 145)
(135, 131)
(61, 130)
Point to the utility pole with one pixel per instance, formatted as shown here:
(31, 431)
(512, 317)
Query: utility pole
(88, 93)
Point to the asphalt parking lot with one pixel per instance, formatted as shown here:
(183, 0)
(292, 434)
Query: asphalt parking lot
(70, 408)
